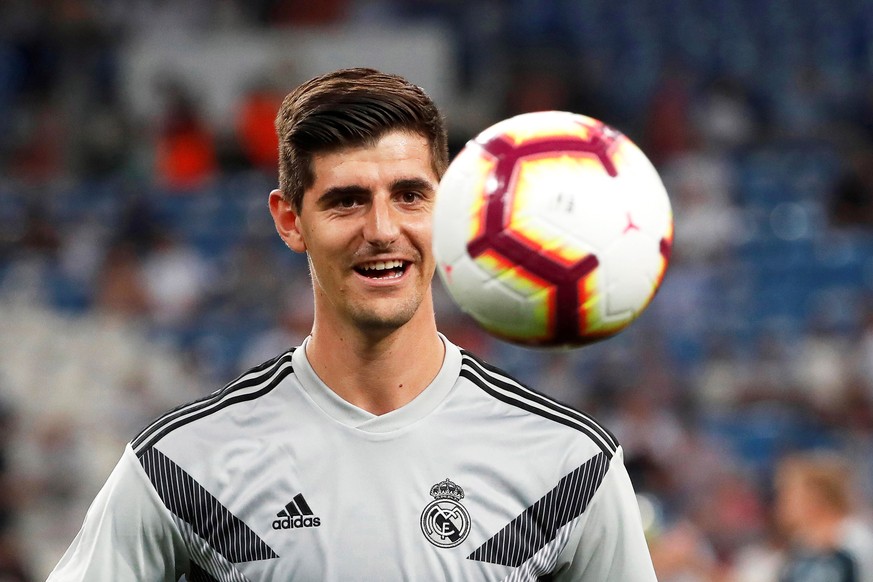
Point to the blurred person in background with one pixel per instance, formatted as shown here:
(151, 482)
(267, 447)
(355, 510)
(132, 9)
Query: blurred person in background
(254, 126)
(185, 150)
(828, 541)
(176, 279)
(683, 554)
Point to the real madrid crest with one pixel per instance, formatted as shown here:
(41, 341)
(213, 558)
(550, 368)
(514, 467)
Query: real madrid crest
(445, 522)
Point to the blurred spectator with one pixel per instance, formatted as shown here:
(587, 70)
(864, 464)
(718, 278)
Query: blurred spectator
(707, 222)
(716, 379)
(559, 378)
(8, 494)
(291, 326)
(38, 155)
(185, 156)
(801, 108)
(815, 506)
(649, 432)
(138, 224)
(854, 424)
(543, 80)
(120, 288)
(249, 283)
(863, 356)
(731, 514)
(539, 85)
(58, 456)
(724, 117)
(105, 146)
(83, 250)
(852, 195)
(760, 560)
(40, 234)
(774, 354)
(668, 131)
(682, 554)
(176, 281)
(304, 12)
(255, 126)
(13, 561)
(821, 368)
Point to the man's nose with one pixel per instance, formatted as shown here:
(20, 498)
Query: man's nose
(381, 227)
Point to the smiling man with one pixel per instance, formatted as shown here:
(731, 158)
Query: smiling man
(376, 450)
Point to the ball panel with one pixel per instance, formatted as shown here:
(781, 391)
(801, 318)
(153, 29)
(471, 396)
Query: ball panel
(528, 127)
(548, 200)
(510, 303)
(527, 322)
(484, 170)
(595, 319)
(629, 290)
(642, 190)
(459, 204)
(514, 276)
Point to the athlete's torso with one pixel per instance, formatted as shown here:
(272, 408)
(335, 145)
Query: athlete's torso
(279, 479)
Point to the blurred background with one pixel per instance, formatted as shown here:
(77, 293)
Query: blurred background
(139, 267)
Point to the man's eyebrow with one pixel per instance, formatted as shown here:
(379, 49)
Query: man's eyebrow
(412, 184)
(404, 184)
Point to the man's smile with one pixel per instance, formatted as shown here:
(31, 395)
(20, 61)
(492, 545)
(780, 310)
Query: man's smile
(383, 269)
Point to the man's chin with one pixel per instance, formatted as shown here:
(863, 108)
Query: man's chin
(383, 321)
(377, 324)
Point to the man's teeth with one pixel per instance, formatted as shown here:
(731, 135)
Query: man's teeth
(382, 265)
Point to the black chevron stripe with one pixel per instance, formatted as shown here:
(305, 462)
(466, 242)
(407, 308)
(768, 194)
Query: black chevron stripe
(504, 381)
(208, 518)
(275, 370)
(507, 382)
(198, 574)
(538, 525)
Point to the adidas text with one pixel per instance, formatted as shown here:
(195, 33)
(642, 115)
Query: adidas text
(296, 522)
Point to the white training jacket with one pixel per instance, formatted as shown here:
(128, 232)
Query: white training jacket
(274, 477)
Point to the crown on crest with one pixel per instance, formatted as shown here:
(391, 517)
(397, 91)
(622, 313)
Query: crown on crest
(447, 490)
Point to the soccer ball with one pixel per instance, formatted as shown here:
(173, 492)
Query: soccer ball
(552, 229)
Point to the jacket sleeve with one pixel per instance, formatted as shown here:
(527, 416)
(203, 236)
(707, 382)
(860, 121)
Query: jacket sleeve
(128, 534)
(608, 542)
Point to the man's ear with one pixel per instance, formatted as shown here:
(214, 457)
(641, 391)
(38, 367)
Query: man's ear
(287, 222)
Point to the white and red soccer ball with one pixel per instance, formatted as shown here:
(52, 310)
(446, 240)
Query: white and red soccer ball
(552, 229)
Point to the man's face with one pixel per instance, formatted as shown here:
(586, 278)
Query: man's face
(366, 225)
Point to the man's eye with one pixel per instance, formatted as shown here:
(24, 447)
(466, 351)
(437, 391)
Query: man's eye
(410, 197)
(347, 202)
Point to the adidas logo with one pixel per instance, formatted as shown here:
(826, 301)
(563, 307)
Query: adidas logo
(296, 514)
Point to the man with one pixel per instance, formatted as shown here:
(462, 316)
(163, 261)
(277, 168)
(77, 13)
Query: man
(814, 506)
(376, 450)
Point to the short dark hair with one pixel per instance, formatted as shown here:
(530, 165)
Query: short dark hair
(350, 108)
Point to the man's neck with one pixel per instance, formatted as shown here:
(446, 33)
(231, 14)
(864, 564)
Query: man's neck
(377, 372)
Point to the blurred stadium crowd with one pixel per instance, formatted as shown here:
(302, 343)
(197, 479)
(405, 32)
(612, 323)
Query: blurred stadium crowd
(139, 268)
